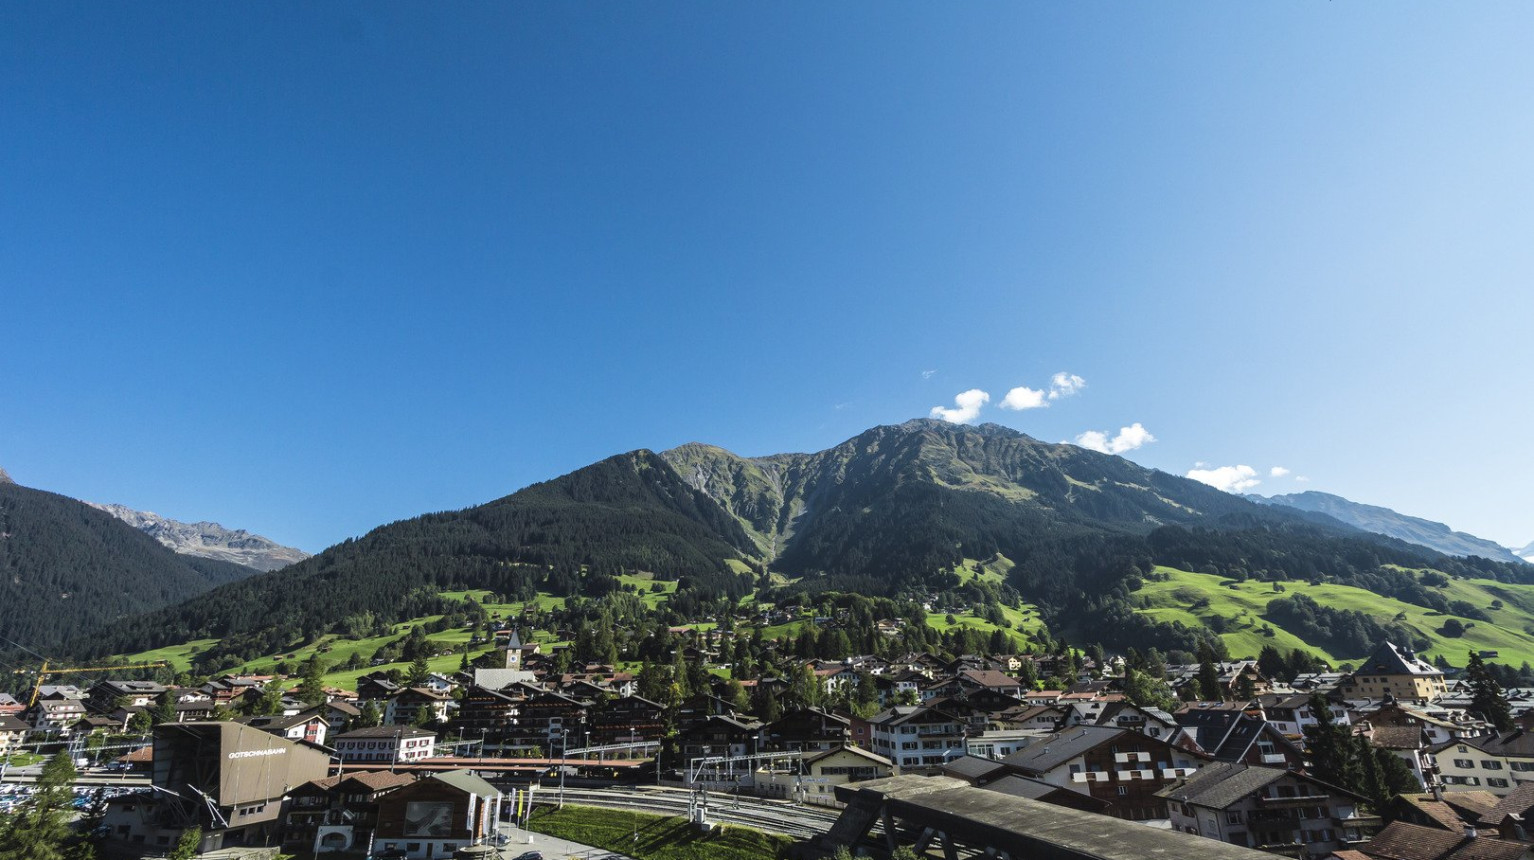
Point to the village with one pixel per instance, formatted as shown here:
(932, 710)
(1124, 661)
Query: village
(252, 766)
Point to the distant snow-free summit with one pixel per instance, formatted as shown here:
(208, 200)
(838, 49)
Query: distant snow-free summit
(208, 540)
(1373, 518)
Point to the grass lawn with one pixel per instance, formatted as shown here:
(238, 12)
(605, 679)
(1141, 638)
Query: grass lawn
(659, 837)
(1242, 604)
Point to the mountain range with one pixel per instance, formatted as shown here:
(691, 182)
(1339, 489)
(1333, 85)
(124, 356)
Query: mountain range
(208, 540)
(895, 509)
(1372, 518)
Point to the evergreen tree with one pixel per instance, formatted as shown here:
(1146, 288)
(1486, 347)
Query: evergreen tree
(419, 668)
(187, 845)
(1486, 695)
(39, 830)
(1208, 676)
(370, 717)
(311, 690)
(1371, 780)
(1270, 662)
(1331, 754)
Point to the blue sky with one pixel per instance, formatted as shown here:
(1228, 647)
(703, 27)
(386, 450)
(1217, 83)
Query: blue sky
(308, 269)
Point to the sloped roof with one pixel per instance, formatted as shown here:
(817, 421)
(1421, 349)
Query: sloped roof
(1397, 737)
(1220, 784)
(1048, 753)
(465, 780)
(1517, 802)
(374, 780)
(1402, 841)
(970, 768)
(1439, 812)
(1390, 660)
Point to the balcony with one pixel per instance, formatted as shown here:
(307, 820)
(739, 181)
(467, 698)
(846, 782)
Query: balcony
(1297, 800)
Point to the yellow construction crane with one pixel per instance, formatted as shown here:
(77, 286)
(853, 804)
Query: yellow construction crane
(44, 672)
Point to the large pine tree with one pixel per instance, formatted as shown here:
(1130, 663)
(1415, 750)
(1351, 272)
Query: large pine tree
(1486, 695)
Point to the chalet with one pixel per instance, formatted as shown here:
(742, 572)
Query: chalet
(308, 726)
(721, 736)
(631, 719)
(1454, 811)
(1119, 766)
(486, 714)
(806, 729)
(917, 737)
(1395, 672)
(1230, 735)
(9, 707)
(418, 704)
(1291, 713)
(1267, 808)
(55, 715)
(337, 813)
(438, 816)
(550, 720)
(108, 696)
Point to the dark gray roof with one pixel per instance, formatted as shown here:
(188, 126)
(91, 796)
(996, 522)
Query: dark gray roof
(1029, 828)
(1390, 660)
(1022, 786)
(1221, 784)
(1051, 751)
(970, 768)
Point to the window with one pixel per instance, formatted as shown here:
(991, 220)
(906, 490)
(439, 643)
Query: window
(1491, 765)
(1123, 791)
(1233, 816)
(1495, 782)
(1464, 762)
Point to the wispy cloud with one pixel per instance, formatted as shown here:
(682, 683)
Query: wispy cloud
(1277, 472)
(1065, 384)
(967, 409)
(1302, 479)
(1231, 479)
(928, 374)
(1023, 397)
(1128, 438)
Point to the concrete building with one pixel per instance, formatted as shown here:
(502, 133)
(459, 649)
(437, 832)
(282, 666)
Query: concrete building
(228, 778)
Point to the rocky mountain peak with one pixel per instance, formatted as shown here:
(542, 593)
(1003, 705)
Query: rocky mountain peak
(208, 540)
(5, 478)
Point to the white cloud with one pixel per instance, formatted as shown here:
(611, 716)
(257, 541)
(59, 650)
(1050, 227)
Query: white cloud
(1231, 479)
(968, 403)
(1023, 397)
(1065, 384)
(1128, 439)
(928, 374)
(1277, 472)
(1302, 479)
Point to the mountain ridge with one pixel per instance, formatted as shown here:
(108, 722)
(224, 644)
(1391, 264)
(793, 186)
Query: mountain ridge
(1382, 520)
(205, 539)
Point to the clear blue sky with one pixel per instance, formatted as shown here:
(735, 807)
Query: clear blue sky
(309, 268)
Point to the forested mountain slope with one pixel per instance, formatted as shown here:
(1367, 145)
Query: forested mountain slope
(67, 569)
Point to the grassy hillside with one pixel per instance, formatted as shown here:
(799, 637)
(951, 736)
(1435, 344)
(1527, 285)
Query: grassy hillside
(1243, 604)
